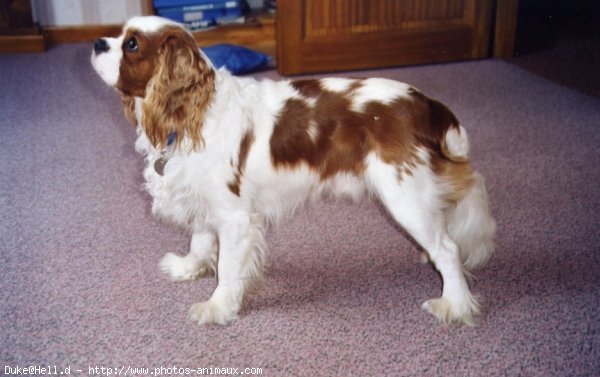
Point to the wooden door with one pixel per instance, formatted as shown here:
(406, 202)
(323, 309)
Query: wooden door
(332, 35)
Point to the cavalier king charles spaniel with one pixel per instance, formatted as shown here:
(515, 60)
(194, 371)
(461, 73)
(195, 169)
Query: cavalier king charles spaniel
(228, 155)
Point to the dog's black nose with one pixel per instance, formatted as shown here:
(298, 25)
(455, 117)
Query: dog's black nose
(101, 46)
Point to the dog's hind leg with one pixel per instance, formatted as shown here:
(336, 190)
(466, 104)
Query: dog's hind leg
(201, 261)
(414, 200)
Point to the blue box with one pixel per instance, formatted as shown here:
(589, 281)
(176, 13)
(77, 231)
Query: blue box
(197, 4)
(198, 15)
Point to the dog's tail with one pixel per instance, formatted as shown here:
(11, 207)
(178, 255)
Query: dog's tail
(471, 225)
(444, 132)
(469, 221)
(455, 144)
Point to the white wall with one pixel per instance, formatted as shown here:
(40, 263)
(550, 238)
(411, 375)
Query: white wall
(92, 12)
(85, 12)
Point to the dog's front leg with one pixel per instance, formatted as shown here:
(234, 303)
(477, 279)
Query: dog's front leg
(201, 261)
(241, 258)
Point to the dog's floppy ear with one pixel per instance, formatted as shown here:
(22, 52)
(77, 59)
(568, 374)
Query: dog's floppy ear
(180, 91)
(129, 109)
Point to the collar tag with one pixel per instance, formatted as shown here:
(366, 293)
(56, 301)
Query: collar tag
(159, 164)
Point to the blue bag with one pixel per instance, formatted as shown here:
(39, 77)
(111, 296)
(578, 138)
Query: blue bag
(237, 59)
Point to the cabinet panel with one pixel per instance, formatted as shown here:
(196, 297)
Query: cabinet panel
(327, 35)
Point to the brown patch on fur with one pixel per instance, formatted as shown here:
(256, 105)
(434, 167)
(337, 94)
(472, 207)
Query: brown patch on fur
(290, 142)
(459, 176)
(342, 138)
(137, 67)
(391, 130)
(432, 120)
(410, 163)
(245, 144)
(330, 137)
(406, 123)
(311, 88)
(308, 88)
(355, 86)
(176, 83)
(335, 143)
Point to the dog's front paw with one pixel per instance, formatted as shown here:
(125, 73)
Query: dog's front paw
(182, 268)
(424, 258)
(447, 312)
(211, 312)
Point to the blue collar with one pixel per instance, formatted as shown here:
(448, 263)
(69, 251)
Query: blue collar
(172, 138)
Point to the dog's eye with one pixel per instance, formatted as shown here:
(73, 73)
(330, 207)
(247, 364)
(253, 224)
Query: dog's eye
(131, 45)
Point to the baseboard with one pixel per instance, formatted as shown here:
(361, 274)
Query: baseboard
(80, 34)
(22, 43)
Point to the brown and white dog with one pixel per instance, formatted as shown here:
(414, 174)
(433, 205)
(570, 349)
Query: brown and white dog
(227, 155)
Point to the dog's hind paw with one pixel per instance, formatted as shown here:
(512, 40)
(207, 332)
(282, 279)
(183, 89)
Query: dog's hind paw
(444, 310)
(182, 268)
(211, 312)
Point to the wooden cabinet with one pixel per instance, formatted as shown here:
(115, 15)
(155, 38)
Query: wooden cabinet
(17, 31)
(330, 35)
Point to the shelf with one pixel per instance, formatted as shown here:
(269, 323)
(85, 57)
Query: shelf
(257, 33)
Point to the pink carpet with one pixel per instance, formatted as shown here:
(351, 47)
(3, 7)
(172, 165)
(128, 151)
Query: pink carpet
(80, 286)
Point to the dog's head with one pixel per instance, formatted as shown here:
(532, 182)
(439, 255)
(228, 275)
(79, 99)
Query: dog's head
(158, 61)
